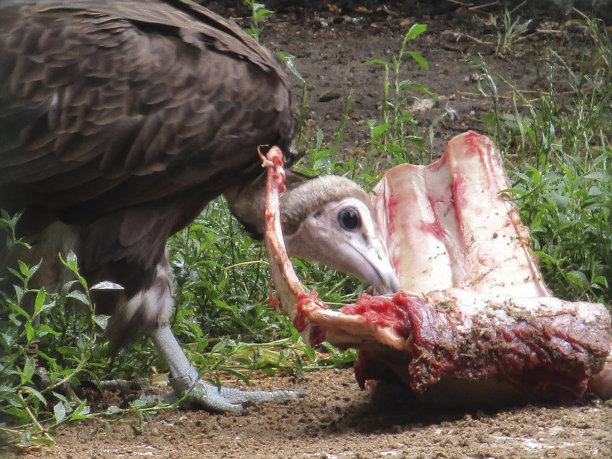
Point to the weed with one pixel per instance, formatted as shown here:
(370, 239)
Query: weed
(567, 206)
(258, 11)
(40, 327)
(509, 31)
(396, 135)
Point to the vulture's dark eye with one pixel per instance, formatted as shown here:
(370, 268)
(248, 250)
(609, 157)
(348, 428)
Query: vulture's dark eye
(349, 219)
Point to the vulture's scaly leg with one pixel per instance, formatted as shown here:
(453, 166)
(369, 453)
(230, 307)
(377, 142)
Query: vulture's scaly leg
(184, 374)
(152, 308)
(185, 380)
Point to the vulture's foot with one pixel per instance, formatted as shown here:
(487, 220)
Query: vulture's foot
(193, 391)
(232, 400)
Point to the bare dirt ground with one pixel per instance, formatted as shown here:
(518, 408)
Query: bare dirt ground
(339, 420)
(330, 43)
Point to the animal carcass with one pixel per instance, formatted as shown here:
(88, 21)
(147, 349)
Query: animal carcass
(474, 320)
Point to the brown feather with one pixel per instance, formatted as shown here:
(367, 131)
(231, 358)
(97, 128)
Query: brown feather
(125, 118)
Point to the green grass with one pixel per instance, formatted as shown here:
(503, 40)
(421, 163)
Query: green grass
(258, 12)
(558, 153)
(509, 29)
(395, 136)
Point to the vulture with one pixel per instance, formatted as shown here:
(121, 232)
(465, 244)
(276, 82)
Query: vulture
(119, 121)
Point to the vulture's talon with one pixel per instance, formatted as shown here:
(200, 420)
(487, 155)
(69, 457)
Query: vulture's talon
(232, 400)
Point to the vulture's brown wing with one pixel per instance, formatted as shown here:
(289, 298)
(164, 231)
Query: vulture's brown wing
(110, 104)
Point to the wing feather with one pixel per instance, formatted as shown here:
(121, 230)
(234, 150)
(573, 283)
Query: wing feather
(117, 104)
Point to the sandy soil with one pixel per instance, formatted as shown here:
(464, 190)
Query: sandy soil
(337, 419)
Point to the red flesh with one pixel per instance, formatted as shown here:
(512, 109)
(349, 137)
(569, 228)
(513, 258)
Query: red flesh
(551, 355)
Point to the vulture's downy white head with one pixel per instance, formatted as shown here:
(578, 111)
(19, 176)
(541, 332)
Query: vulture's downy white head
(330, 220)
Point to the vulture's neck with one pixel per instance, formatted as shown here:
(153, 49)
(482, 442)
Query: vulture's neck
(302, 197)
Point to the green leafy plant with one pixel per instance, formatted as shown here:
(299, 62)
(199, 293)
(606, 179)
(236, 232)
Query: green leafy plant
(49, 345)
(509, 31)
(567, 206)
(31, 325)
(396, 133)
(258, 11)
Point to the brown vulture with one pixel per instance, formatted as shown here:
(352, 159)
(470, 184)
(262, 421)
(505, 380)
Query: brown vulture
(119, 121)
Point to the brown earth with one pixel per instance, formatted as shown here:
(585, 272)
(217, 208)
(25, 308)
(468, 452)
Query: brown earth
(339, 420)
(330, 44)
